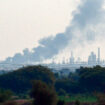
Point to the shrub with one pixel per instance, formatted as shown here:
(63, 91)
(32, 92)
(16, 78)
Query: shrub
(5, 95)
(61, 102)
(43, 94)
(77, 102)
(101, 99)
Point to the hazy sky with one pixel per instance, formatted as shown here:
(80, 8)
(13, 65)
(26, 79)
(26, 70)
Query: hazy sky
(24, 22)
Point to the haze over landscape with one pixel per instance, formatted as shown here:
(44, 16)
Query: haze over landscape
(51, 29)
(52, 52)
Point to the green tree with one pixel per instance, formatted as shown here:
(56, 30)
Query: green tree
(43, 94)
(22, 78)
(5, 95)
(94, 76)
(61, 92)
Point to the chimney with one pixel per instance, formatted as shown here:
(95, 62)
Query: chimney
(98, 60)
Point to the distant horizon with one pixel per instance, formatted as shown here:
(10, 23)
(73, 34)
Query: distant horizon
(97, 57)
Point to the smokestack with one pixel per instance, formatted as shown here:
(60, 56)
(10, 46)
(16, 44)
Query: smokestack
(98, 56)
(71, 58)
(71, 54)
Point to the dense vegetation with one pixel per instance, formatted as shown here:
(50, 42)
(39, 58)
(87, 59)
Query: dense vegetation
(43, 94)
(83, 85)
(84, 80)
(19, 81)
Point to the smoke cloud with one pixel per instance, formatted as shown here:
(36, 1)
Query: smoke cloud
(83, 29)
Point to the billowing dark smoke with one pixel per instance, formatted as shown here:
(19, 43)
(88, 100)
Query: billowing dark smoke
(89, 14)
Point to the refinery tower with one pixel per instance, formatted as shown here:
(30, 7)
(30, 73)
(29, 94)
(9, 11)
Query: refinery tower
(98, 60)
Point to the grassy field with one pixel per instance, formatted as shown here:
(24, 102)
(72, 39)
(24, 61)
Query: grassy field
(78, 97)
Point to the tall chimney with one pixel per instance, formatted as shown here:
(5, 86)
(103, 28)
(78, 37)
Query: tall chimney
(98, 55)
